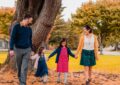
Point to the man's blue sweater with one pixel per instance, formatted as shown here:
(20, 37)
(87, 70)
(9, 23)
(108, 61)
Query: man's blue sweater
(21, 37)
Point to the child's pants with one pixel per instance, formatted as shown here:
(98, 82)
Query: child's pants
(65, 77)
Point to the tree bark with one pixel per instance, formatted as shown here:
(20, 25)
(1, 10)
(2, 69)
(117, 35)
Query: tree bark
(116, 46)
(45, 21)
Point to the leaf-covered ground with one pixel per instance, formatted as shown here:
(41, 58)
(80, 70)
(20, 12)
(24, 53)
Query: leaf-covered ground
(77, 78)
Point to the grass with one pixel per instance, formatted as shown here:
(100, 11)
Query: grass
(3, 56)
(107, 63)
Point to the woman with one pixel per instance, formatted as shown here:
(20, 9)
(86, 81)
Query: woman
(88, 49)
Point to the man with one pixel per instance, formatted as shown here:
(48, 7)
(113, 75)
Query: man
(21, 44)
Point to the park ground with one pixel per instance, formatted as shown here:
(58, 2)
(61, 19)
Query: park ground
(106, 72)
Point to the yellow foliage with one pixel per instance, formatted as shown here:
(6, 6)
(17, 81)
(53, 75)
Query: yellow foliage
(7, 10)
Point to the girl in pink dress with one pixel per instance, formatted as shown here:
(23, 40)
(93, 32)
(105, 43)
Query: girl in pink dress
(62, 59)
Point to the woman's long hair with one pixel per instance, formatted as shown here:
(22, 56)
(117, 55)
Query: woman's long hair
(87, 27)
(63, 40)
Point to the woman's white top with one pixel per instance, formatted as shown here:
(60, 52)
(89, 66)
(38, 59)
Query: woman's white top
(89, 43)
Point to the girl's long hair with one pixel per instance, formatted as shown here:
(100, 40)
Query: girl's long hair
(40, 51)
(63, 40)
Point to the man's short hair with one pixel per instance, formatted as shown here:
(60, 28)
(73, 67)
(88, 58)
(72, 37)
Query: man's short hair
(26, 16)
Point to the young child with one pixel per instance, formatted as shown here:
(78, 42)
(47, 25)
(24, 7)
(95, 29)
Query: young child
(40, 65)
(62, 59)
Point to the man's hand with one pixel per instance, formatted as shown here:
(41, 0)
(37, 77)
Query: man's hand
(12, 53)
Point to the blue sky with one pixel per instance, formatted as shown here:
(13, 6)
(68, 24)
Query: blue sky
(71, 6)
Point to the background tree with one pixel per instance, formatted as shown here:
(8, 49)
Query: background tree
(102, 16)
(59, 29)
(64, 29)
(6, 15)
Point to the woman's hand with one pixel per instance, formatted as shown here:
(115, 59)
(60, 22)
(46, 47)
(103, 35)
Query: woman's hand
(76, 56)
(97, 58)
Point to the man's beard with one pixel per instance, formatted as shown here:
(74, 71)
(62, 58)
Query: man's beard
(30, 24)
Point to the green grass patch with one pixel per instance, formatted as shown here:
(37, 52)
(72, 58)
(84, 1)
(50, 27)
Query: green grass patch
(107, 63)
(3, 56)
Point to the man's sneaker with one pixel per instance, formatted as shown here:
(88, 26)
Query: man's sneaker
(87, 83)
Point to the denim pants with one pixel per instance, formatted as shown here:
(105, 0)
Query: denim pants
(22, 59)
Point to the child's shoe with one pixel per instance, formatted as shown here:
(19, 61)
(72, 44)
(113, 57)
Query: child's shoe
(87, 82)
(58, 80)
(45, 78)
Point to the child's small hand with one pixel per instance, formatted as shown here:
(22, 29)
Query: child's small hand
(32, 53)
(48, 59)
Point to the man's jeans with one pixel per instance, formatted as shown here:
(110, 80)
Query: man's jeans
(22, 59)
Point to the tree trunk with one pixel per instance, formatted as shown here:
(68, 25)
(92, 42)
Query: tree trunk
(101, 44)
(44, 13)
(116, 46)
(44, 23)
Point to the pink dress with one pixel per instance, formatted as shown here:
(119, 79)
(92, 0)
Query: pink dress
(62, 65)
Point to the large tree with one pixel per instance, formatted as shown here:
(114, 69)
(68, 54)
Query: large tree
(44, 13)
